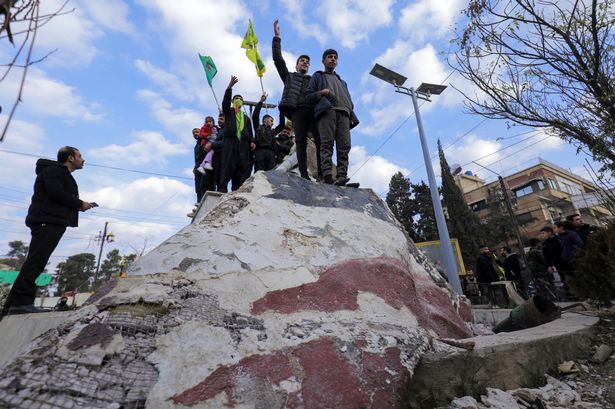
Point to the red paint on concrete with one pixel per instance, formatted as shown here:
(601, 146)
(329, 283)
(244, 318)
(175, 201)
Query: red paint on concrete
(337, 289)
(386, 378)
(274, 368)
(465, 311)
(294, 401)
(329, 378)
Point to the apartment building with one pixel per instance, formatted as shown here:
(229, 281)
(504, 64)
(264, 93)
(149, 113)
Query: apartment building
(541, 194)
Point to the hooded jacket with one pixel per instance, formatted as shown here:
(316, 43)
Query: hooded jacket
(56, 196)
(322, 103)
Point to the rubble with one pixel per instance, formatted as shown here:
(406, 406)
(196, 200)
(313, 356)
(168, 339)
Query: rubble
(554, 395)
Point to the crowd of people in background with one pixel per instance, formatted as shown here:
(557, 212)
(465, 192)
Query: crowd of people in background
(550, 261)
(320, 105)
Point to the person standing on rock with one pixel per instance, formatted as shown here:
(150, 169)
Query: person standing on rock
(55, 206)
(237, 142)
(334, 113)
(264, 138)
(293, 104)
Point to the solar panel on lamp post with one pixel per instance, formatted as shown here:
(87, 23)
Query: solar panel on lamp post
(424, 91)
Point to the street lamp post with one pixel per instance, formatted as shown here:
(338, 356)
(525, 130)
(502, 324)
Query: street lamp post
(424, 91)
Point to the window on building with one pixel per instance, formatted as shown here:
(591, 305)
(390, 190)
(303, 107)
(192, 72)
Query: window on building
(523, 191)
(480, 205)
(525, 218)
(552, 184)
(569, 186)
(540, 184)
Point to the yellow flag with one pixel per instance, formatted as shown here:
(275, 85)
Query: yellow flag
(250, 40)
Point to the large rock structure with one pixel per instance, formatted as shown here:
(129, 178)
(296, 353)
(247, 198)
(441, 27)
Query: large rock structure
(287, 294)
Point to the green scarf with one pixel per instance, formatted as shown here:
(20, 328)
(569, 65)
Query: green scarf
(239, 120)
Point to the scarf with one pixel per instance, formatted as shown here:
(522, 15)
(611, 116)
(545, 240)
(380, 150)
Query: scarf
(239, 120)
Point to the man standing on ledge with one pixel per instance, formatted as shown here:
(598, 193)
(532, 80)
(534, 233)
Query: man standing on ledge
(293, 104)
(55, 205)
(333, 110)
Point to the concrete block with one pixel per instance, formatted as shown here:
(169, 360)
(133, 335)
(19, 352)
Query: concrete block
(505, 361)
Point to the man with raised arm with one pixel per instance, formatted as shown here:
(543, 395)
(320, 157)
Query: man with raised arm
(293, 104)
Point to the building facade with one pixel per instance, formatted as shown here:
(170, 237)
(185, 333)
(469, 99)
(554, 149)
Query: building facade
(540, 195)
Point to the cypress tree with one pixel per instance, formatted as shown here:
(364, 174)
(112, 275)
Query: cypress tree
(426, 226)
(462, 223)
(401, 204)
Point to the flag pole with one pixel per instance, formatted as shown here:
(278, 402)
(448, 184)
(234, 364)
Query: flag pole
(260, 77)
(215, 98)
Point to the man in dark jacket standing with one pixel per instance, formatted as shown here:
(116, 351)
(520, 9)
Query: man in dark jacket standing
(55, 205)
(510, 263)
(293, 104)
(485, 271)
(264, 138)
(334, 113)
(237, 141)
(575, 223)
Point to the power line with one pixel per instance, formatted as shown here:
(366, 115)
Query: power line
(393, 133)
(103, 166)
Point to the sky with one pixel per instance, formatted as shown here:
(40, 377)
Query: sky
(123, 83)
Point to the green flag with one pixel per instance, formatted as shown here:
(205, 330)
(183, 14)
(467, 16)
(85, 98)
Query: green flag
(249, 43)
(209, 67)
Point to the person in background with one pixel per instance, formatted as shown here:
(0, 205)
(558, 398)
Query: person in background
(55, 206)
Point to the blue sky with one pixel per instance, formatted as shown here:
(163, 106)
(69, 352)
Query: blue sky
(126, 87)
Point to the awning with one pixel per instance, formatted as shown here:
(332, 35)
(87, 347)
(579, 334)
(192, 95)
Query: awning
(9, 277)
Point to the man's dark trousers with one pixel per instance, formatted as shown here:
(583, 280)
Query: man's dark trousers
(264, 159)
(45, 238)
(334, 127)
(303, 122)
(236, 166)
(199, 185)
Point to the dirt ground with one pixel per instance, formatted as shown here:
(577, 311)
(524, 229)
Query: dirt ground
(596, 382)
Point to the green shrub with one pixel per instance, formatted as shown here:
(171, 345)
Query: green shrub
(595, 268)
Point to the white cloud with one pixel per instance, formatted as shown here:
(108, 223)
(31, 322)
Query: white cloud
(429, 19)
(422, 65)
(295, 14)
(168, 81)
(43, 95)
(147, 147)
(110, 14)
(212, 28)
(21, 137)
(497, 156)
(352, 21)
(374, 173)
(179, 121)
(73, 34)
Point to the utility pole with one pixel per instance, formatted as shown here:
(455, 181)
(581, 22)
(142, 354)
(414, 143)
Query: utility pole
(510, 211)
(102, 238)
(424, 92)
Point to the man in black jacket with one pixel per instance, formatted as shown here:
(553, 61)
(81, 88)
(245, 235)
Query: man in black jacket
(236, 141)
(293, 104)
(552, 250)
(266, 148)
(510, 263)
(55, 205)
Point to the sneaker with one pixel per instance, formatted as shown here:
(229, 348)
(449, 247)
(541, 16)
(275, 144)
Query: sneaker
(208, 166)
(25, 309)
(201, 170)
